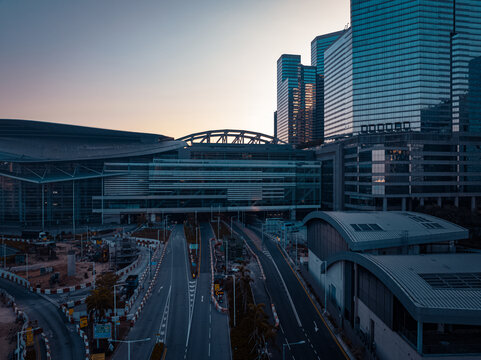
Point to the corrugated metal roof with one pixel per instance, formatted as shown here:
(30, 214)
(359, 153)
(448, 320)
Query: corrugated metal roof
(405, 271)
(397, 228)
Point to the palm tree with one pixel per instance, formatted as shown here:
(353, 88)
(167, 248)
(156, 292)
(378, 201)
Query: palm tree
(101, 299)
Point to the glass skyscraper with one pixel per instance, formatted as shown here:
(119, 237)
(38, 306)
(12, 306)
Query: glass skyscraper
(414, 66)
(296, 95)
(318, 46)
(287, 69)
(338, 101)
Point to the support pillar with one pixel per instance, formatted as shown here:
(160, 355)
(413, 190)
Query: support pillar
(440, 201)
(403, 206)
(473, 203)
(456, 201)
(384, 204)
(420, 338)
(421, 201)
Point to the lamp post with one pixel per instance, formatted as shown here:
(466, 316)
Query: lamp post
(4, 253)
(289, 344)
(128, 344)
(115, 310)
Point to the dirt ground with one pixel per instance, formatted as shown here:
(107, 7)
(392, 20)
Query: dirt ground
(60, 265)
(8, 328)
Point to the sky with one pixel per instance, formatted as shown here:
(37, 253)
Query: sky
(169, 67)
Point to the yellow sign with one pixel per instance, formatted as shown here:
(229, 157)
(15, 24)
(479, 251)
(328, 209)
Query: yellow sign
(99, 241)
(83, 322)
(99, 356)
(216, 287)
(70, 311)
(29, 334)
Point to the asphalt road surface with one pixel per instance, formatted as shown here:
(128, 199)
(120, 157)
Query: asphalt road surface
(63, 339)
(299, 320)
(209, 338)
(179, 312)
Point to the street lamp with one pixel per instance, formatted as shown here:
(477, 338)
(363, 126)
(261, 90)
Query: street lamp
(115, 309)
(128, 344)
(289, 344)
(233, 277)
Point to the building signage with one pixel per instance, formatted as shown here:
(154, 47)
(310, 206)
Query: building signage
(102, 331)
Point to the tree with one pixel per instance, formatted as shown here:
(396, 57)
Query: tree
(261, 330)
(244, 285)
(102, 298)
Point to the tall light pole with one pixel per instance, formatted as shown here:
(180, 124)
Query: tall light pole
(289, 344)
(233, 277)
(115, 310)
(4, 253)
(128, 344)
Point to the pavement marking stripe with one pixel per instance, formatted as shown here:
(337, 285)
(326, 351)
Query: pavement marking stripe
(315, 307)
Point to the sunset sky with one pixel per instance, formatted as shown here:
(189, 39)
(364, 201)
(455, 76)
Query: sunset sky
(168, 67)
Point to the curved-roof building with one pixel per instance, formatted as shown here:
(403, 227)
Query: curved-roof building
(398, 276)
(38, 141)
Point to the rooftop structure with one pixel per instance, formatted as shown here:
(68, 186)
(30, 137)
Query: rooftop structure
(379, 229)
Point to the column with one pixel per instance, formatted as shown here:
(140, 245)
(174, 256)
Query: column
(403, 206)
(421, 201)
(473, 203)
(440, 201)
(384, 204)
(420, 338)
(456, 201)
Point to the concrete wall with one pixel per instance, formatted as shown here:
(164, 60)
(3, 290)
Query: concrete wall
(335, 276)
(391, 346)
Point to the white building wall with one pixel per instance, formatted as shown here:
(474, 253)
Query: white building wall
(391, 346)
(335, 276)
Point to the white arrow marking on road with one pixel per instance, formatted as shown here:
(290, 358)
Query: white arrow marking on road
(202, 298)
(316, 329)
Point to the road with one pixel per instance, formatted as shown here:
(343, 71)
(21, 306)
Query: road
(209, 337)
(64, 341)
(299, 320)
(166, 312)
(179, 309)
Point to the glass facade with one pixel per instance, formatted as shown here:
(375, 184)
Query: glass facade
(287, 72)
(318, 46)
(414, 66)
(187, 185)
(296, 96)
(338, 90)
(401, 171)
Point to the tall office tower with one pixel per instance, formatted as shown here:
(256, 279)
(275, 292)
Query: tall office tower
(338, 99)
(296, 91)
(318, 46)
(411, 65)
(305, 95)
(287, 70)
(275, 124)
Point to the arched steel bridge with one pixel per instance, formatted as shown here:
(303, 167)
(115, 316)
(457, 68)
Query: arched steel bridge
(229, 136)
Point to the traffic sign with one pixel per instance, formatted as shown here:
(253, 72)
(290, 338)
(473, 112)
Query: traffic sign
(29, 335)
(83, 322)
(70, 311)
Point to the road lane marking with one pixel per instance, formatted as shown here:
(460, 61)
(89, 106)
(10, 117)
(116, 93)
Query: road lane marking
(288, 294)
(315, 307)
(209, 349)
(165, 318)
